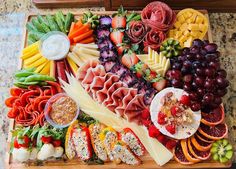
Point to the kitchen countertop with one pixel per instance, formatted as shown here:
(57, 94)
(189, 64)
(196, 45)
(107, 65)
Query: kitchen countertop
(12, 15)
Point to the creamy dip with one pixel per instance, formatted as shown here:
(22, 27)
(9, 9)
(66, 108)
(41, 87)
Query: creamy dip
(55, 46)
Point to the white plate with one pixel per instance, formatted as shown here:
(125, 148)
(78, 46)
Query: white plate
(183, 131)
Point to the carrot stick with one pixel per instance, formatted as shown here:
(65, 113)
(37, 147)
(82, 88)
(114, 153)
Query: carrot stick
(75, 27)
(79, 31)
(72, 27)
(83, 36)
(88, 40)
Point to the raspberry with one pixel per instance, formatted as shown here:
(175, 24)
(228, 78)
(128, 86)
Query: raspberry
(174, 110)
(170, 128)
(185, 100)
(162, 139)
(171, 144)
(161, 118)
(153, 131)
(145, 114)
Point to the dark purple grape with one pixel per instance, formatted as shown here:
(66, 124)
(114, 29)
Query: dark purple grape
(194, 50)
(208, 98)
(184, 70)
(194, 85)
(210, 72)
(211, 47)
(176, 83)
(188, 78)
(201, 91)
(185, 51)
(222, 82)
(187, 64)
(193, 96)
(177, 66)
(168, 74)
(199, 57)
(176, 74)
(173, 60)
(190, 56)
(187, 86)
(209, 83)
(215, 65)
(222, 73)
(200, 71)
(182, 58)
(221, 92)
(210, 57)
(203, 51)
(204, 64)
(205, 42)
(218, 100)
(197, 42)
(195, 106)
(196, 64)
(199, 81)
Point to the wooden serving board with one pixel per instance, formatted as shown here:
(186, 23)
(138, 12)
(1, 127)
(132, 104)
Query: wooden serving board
(147, 161)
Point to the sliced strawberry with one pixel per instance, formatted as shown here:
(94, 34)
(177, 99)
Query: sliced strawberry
(185, 100)
(118, 22)
(129, 59)
(170, 144)
(146, 122)
(117, 37)
(139, 75)
(161, 118)
(161, 84)
(161, 138)
(171, 128)
(174, 110)
(153, 75)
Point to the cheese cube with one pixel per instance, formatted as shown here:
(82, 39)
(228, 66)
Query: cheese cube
(181, 19)
(177, 24)
(193, 27)
(194, 33)
(199, 19)
(184, 27)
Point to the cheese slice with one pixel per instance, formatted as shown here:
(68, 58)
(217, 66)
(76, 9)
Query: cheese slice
(157, 151)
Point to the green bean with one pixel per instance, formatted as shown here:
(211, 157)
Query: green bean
(43, 83)
(28, 83)
(23, 74)
(130, 16)
(20, 79)
(37, 77)
(20, 85)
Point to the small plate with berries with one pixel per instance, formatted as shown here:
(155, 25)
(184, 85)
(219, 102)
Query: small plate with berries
(171, 114)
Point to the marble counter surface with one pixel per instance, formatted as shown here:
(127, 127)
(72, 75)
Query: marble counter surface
(12, 14)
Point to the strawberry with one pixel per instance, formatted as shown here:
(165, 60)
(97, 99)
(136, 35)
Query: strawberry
(117, 37)
(170, 128)
(146, 122)
(161, 118)
(129, 59)
(153, 131)
(185, 100)
(46, 139)
(24, 142)
(16, 144)
(153, 75)
(161, 84)
(119, 19)
(139, 75)
(145, 114)
(174, 110)
(170, 144)
(56, 143)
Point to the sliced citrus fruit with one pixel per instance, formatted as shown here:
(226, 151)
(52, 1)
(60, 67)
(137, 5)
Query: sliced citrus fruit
(214, 117)
(214, 132)
(201, 155)
(179, 155)
(199, 144)
(203, 138)
(187, 153)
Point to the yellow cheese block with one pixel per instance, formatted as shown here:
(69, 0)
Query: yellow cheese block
(190, 24)
(46, 69)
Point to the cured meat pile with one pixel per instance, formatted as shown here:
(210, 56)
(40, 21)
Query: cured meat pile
(27, 105)
(110, 61)
(108, 90)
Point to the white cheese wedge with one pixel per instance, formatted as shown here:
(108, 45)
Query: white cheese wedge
(157, 151)
(182, 132)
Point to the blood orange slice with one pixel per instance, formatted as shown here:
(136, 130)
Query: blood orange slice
(213, 132)
(216, 116)
(203, 138)
(187, 153)
(201, 155)
(199, 144)
(179, 155)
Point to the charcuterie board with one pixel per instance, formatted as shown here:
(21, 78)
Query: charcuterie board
(147, 161)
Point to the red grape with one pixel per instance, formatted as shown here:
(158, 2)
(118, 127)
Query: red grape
(199, 81)
(188, 78)
(222, 82)
(208, 98)
(176, 83)
(209, 72)
(222, 73)
(195, 106)
(211, 47)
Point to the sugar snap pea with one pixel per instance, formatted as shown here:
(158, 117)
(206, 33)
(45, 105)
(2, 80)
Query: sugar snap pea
(20, 85)
(37, 77)
(23, 73)
(20, 79)
(28, 83)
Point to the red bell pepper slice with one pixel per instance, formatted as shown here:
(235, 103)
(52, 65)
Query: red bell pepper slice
(55, 84)
(13, 113)
(10, 101)
(17, 91)
(26, 95)
(38, 100)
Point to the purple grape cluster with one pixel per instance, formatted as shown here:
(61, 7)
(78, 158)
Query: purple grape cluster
(197, 70)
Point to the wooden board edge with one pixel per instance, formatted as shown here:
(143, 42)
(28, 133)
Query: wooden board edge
(12, 124)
